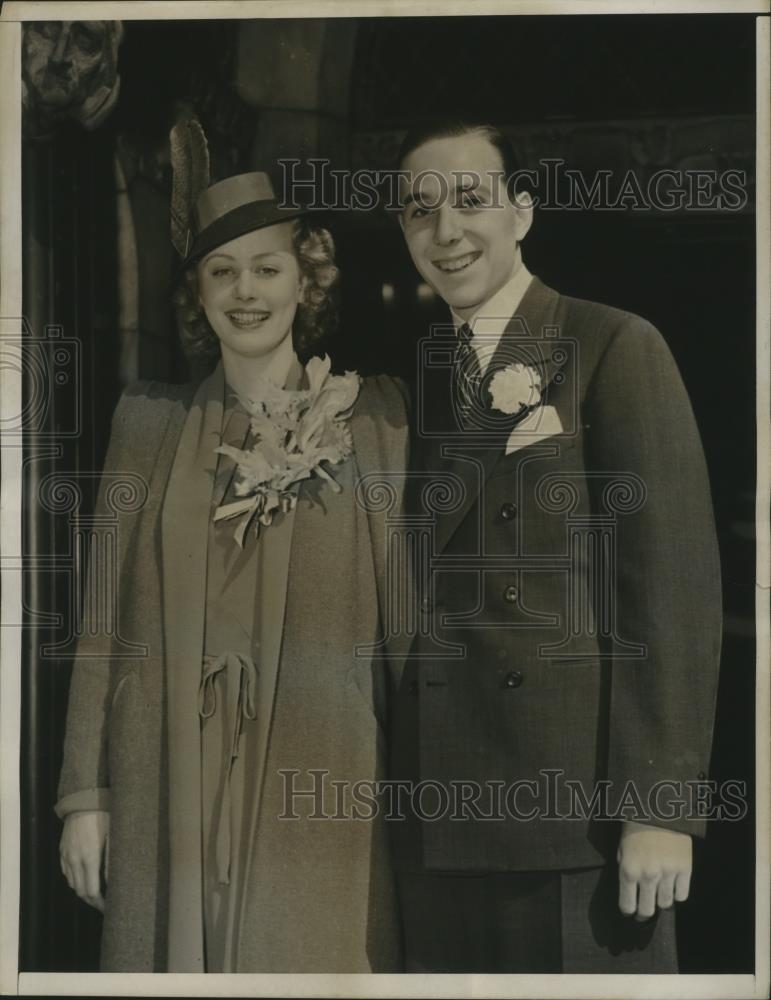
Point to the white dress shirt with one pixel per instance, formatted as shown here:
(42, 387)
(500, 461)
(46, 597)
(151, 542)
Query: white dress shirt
(491, 319)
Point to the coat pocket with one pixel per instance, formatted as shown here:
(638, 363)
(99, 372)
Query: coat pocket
(552, 448)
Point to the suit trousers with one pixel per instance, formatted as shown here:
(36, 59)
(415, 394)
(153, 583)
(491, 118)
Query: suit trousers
(528, 922)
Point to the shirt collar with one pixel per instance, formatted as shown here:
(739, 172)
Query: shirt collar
(492, 318)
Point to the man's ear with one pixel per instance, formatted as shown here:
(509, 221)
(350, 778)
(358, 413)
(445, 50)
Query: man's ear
(523, 214)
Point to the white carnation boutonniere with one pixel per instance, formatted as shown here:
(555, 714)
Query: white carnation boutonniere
(298, 432)
(516, 388)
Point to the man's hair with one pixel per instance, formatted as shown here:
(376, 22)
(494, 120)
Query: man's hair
(452, 128)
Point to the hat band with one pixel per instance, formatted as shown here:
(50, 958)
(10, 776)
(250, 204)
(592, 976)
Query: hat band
(241, 220)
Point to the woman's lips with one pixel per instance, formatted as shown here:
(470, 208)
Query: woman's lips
(245, 319)
(452, 265)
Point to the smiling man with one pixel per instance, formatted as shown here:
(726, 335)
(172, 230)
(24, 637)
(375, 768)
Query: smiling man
(578, 713)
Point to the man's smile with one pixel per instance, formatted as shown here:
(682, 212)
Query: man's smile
(451, 265)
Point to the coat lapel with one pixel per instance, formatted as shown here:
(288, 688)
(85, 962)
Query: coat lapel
(469, 452)
(381, 456)
(184, 534)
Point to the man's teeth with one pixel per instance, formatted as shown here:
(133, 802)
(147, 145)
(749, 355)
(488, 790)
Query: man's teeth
(457, 264)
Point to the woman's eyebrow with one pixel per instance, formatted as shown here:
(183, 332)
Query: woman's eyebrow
(217, 253)
(256, 256)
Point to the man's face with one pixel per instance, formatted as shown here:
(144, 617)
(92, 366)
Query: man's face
(460, 227)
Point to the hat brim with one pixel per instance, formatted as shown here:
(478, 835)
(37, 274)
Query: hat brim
(241, 220)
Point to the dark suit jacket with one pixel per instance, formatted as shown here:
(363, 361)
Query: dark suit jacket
(579, 577)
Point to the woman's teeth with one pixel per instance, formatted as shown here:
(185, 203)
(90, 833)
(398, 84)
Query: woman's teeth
(457, 263)
(246, 319)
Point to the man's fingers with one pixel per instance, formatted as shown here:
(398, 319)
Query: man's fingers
(682, 885)
(665, 893)
(646, 903)
(627, 894)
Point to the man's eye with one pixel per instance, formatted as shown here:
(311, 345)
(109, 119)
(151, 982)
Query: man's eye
(469, 199)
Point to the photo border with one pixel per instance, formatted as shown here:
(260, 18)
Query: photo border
(402, 984)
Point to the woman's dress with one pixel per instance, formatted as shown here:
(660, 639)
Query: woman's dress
(235, 697)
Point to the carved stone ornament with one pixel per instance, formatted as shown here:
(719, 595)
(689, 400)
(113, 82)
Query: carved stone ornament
(69, 74)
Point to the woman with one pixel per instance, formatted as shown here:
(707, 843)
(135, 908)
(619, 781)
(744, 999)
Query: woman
(184, 768)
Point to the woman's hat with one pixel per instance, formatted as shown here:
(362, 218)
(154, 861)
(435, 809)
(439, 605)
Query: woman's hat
(232, 207)
(204, 215)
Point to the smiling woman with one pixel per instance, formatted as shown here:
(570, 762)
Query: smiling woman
(172, 789)
(310, 249)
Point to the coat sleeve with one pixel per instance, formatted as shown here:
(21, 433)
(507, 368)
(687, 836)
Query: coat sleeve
(667, 597)
(84, 783)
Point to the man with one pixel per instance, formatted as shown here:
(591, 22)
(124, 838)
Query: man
(570, 623)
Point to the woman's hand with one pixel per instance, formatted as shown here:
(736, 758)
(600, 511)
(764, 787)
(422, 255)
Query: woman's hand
(84, 851)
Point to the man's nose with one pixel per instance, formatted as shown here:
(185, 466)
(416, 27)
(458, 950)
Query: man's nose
(447, 228)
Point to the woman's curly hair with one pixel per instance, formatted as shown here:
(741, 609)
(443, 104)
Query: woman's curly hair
(316, 316)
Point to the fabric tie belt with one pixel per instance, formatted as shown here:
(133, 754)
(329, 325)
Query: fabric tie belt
(241, 677)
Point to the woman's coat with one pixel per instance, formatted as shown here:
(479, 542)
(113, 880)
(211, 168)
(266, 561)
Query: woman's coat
(134, 694)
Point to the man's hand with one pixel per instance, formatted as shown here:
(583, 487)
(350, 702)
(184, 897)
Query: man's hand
(84, 851)
(654, 867)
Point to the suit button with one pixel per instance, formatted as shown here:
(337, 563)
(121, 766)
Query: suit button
(509, 511)
(413, 687)
(425, 605)
(513, 679)
(510, 594)
(702, 776)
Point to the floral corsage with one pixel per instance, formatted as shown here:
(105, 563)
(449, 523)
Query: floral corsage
(515, 389)
(297, 432)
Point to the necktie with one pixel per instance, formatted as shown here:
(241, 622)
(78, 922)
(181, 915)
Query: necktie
(468, 374)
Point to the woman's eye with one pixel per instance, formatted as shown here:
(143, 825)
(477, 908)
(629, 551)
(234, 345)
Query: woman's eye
(266, 271)
(221, 272)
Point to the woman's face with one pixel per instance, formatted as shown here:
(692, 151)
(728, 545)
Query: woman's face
(250, 288)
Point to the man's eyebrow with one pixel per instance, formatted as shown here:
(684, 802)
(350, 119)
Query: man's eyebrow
(416, 198)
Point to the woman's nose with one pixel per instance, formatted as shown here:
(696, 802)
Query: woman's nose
(244, 288)
(447, 229)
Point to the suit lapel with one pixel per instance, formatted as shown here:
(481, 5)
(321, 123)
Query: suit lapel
(469, 453)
